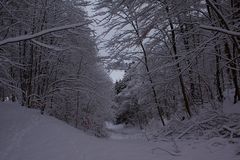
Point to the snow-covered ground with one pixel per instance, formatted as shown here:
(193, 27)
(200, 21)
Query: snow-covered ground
(228, 106)
(27, 135)
(120, 132)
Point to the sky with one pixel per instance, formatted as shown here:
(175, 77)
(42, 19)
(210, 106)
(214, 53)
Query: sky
(115, 75)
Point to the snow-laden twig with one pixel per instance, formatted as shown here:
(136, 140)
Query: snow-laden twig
(51, 47)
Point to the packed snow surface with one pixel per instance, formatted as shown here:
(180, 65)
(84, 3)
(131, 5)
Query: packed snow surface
(27, 135)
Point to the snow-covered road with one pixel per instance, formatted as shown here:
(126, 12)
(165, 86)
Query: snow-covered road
(27, 135)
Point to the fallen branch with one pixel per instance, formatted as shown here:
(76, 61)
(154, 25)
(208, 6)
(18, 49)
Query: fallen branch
(232, 131)
(196, 124)
(185, 132)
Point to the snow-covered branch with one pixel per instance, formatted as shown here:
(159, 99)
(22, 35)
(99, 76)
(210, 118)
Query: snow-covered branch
(41, 33)
(218, 29)
(55, 48)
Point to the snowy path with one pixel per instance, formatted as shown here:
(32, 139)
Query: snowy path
(27, 135)
(121, 132)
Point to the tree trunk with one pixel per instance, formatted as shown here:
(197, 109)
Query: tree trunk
(183, 88)
(159, 109)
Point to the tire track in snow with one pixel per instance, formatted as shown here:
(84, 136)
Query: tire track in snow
(17, 138)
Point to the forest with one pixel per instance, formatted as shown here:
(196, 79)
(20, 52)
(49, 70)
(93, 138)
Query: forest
(184, 55)
(181, 60)
(49, 60)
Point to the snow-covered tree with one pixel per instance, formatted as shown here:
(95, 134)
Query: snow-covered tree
(50, 62)
(189, 49)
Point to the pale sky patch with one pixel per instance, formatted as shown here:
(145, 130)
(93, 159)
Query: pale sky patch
(114, 74)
